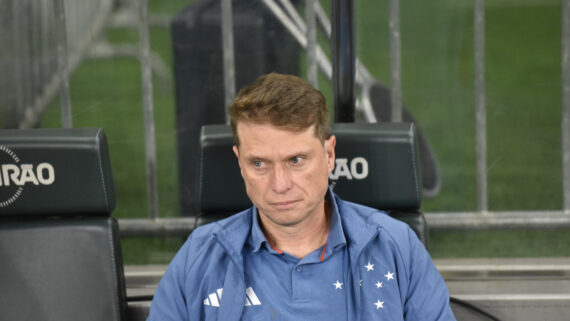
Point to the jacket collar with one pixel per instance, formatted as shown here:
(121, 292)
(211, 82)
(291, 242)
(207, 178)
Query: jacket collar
(355, 224)
(233, 233)
(257, 238)
(244, 227)
(356, 229)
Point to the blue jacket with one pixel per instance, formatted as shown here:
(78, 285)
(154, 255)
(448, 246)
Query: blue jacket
(213, 253)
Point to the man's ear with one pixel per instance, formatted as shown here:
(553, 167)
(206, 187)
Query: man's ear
(329, 151)
(236, 152)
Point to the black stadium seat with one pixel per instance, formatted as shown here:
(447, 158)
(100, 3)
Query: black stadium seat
(376, 165)
(59, 247)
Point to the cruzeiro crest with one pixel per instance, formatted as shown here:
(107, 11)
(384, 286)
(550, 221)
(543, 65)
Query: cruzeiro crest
(14, 175)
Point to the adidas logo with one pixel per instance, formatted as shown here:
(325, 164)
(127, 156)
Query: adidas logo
(214, 299)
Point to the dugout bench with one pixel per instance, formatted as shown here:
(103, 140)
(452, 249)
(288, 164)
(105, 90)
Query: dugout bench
(59, 244)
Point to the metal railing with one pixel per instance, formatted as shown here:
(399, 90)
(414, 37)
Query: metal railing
(148, 111)
(482, 218)
(305, 35)
(43, 40)
(566, 104)
(480, 111)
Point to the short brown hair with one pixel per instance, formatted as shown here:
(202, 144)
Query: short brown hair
(284, 101)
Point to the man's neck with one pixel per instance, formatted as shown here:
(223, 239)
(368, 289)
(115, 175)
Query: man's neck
(301, 239)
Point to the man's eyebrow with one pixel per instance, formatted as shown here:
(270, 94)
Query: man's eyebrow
(254, 157)
(308, 152)
(303, 152)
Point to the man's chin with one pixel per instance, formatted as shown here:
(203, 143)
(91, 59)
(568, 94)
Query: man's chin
(284, 218)
(289, 223)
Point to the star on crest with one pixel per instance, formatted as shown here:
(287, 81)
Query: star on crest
(389, 276)
(369, 267)
(379, 304)
(338, 285)
(378, 284)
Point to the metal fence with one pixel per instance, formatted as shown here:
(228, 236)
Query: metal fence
(304, 33)
(42, 41)
(484, 218)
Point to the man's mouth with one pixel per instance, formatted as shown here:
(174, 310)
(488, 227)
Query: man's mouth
(284, 204)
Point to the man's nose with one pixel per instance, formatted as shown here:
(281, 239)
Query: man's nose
(281, 180)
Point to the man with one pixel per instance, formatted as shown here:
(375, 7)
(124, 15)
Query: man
(300, 253)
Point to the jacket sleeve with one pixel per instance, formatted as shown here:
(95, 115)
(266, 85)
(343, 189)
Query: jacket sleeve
(427, 296)
(169, 301)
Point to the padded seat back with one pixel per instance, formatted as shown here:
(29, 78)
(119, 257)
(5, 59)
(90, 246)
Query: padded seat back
(376, 165)
(59, 246)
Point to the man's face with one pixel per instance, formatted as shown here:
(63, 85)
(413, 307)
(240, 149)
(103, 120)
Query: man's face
(285, 172)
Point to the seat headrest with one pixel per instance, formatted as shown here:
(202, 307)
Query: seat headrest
(376, 165)
(62, 172)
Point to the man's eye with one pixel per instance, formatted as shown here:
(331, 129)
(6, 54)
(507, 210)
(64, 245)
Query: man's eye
(257, 164)
(296, 160)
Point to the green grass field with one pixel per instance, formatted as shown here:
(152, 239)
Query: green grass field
(523, 116)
